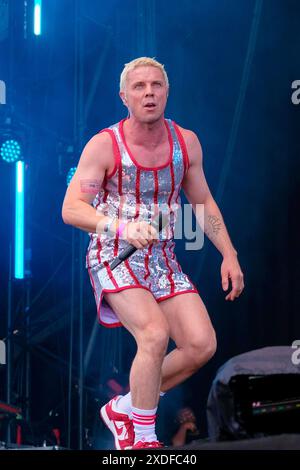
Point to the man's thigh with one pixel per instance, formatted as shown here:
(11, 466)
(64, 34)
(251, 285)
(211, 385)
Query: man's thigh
(187, 317)
(136, 308)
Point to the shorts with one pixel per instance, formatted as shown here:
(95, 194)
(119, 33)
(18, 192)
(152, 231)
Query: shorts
(154, 268)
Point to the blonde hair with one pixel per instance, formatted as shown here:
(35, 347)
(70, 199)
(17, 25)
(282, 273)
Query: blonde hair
(138, 63)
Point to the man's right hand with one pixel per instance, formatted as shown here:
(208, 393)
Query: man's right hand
(140, 234)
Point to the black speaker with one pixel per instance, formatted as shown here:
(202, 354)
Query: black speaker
(255, 394)
(268, 404)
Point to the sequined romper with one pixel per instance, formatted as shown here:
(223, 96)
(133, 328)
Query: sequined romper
(133, 190)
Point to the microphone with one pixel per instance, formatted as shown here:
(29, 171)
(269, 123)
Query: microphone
(158, 223)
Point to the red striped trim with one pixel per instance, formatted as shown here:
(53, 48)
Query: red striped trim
(172, 193)
(165, 297)
(116, 151)
(169, 268)
(155, 195)
(131, 156)
(113, 291)
(116, 243)
(137, 415)
(148, 254)
(98, 238)
(173, 256)
(120, 190)
(110, 274)
(173, 183)
(143, 424)
(105, 193)
(131, 271)
(182, 144)
(138, 193)
(99, 246)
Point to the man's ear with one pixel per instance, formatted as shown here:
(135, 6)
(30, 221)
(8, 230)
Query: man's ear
(123, 97)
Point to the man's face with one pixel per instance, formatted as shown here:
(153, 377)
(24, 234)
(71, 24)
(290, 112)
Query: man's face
(145, 93)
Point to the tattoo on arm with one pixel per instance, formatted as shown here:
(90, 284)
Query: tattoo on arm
(90, 186)
(214, 225)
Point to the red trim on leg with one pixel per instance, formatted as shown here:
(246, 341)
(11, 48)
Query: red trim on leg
(112, 291)
(160, 299)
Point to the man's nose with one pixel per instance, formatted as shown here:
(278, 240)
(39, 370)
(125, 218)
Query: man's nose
(149, 91)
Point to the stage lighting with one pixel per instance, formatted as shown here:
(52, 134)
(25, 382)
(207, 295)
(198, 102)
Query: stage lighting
(10, 151)
(70, 174)
(19, 220)
(37, 28)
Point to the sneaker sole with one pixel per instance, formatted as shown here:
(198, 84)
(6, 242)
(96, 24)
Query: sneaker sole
(109, 424)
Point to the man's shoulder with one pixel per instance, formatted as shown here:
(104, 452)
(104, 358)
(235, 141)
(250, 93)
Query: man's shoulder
(100, 144)
(101, 139)
(190, 137)
(105, 135)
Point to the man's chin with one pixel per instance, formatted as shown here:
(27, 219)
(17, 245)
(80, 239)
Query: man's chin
(151, 119)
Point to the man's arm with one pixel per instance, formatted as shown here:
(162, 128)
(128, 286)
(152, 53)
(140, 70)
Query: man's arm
(96, 158)
(197, 192)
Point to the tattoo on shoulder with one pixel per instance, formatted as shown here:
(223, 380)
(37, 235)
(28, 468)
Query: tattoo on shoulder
(215, 223)
(90, 186)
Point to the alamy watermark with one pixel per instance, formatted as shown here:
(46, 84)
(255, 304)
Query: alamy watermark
(177, 221)
(296, 354)
(296, 94)
(2, 92)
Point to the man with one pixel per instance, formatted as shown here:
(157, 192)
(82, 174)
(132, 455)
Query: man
(126, 171)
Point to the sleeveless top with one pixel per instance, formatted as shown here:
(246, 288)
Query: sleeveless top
(132, 191)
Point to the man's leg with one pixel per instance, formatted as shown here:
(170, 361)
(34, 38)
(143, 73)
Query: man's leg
(142, 317)
(191, 329)
(140, 314)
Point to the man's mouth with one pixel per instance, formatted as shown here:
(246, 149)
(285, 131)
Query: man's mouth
(150, 105)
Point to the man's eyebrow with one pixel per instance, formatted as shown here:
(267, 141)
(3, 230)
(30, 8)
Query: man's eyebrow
(139, 82)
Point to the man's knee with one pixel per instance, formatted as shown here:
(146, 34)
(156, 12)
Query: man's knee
(154, 338)
(201, 350)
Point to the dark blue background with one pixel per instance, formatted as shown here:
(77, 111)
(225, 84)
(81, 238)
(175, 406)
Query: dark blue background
(231, 64)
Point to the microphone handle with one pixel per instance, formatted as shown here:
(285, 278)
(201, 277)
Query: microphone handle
(123, 256)
(132, 249)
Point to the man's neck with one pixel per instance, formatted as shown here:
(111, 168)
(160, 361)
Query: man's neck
(146, 134)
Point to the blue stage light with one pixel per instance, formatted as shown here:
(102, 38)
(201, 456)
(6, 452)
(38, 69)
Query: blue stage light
(10, 151)
(70, 174)
(19, 221)
(37, 23)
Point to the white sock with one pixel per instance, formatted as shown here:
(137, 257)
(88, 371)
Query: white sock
(144, 425)
(123, 404)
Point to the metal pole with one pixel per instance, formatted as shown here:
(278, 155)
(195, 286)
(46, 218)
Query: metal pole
(8, 348)
(72, 310)
(80, 120)
(28, 354)
(81, 372)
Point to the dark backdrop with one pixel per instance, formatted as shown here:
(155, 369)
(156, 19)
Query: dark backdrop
(231, 64)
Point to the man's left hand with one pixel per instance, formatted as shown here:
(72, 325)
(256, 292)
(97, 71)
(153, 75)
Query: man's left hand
(231, 271)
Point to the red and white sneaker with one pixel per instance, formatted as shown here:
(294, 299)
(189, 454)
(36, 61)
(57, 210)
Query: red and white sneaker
(147, 445)
(119, 424)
